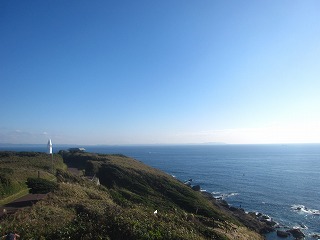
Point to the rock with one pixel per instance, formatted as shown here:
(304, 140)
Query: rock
(224, 203)
(233, 209)
(208, 195)
(266, 229)
(187, 183)
(196, 187)
(317, 236)
(252, 214)
(271, 223)
(282, 234)
(296, 233)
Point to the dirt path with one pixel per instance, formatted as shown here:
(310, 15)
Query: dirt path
(25, 201)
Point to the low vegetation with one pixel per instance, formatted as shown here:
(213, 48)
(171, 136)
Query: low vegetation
(134, 201)
(17, 167)
(40, 185)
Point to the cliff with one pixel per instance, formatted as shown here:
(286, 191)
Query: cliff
(134, 201)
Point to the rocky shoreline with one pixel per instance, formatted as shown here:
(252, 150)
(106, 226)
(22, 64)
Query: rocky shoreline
(256, 221)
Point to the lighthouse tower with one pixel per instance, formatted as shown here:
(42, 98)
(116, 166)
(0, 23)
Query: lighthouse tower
(49, 147)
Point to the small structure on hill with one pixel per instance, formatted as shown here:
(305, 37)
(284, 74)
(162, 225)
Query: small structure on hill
(74, 150)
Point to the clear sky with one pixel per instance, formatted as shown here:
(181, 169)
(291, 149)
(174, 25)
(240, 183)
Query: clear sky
(146, 71)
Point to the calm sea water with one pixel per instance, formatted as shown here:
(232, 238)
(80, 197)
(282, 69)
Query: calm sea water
(282, 181)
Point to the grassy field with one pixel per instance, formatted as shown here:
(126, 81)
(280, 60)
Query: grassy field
(124, 206)
(16, 167)
(14, 197)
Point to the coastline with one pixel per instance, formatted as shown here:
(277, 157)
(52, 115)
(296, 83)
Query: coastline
(257, 176)
(257, 221)
(134, 189)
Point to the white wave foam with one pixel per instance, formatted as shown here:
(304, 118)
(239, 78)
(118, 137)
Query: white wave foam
(219, 195)
(300, 226)
(216, 193)
(304, 210)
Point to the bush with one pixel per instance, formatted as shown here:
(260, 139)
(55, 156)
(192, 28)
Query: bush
(6, 181)
(40, 185)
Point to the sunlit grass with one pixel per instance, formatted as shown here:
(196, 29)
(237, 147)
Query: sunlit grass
(124, 208)
(17, 167)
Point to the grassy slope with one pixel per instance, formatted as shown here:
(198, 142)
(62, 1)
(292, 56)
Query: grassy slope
(124, 209)
(16, 167)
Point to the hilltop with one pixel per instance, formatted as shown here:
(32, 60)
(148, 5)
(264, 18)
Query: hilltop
(134, 201)
(17, 167)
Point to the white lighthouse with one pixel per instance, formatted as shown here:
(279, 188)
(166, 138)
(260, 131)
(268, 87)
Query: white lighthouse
(49, 147)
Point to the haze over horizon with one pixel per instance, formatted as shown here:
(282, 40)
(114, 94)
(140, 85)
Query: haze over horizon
(150, 72)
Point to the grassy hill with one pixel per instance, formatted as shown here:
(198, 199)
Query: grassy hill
(123, 206)
(16, 167)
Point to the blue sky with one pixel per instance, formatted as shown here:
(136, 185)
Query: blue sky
(146, 72)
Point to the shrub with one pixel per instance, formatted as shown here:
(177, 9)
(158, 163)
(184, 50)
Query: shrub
(40, 185)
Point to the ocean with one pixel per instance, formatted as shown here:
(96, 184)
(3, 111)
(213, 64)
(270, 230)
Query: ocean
(281, 181)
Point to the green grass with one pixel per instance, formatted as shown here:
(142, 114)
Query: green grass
(124, 207)
(17, 167)
(13, 197)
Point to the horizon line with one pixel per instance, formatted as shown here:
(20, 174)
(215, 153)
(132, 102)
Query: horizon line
(157, 144)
